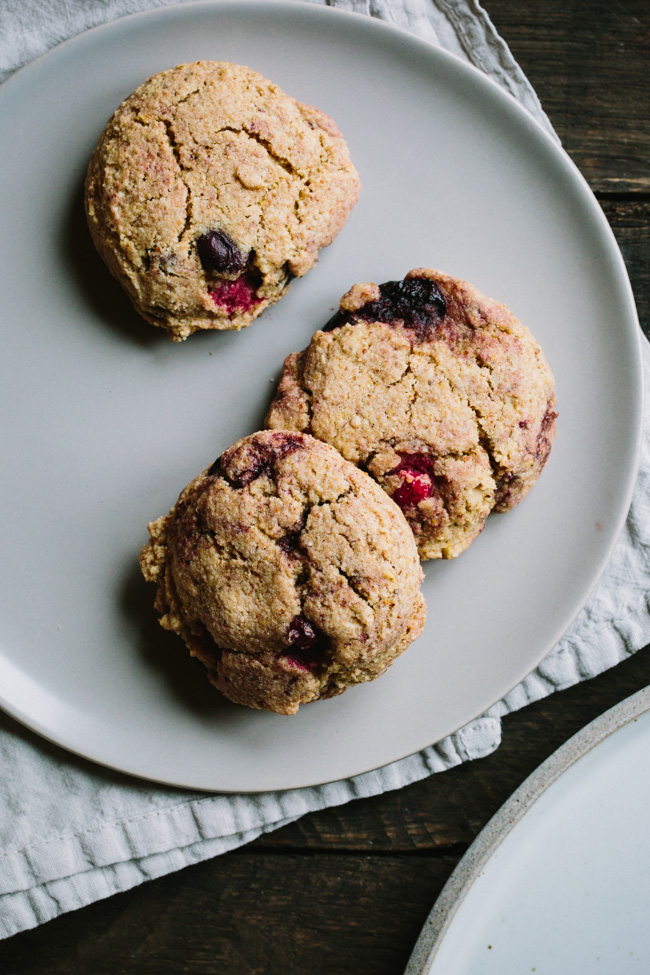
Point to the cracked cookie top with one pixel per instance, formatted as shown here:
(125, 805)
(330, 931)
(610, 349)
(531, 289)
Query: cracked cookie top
(210, 189)
(287, 571)
(437, 391)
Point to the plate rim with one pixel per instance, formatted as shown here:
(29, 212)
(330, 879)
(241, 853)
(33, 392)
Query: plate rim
(504, 821)
(580, 184)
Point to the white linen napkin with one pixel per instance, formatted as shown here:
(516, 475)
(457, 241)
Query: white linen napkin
(72, 832)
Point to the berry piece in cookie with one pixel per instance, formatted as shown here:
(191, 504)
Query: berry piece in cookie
(210, 190)
(440, 393)
(287, 571)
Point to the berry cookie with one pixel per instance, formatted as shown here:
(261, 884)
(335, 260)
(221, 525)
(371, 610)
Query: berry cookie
(287, 571)
(437, 391)
(209, 190)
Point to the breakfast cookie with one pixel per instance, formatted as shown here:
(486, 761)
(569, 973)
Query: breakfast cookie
(210, 189)
(437, 391)
(287, 571)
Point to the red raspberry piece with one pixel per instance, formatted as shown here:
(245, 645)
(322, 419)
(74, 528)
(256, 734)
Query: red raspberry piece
(234, 296)
(418, 482)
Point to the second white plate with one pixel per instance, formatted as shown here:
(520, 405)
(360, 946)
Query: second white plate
(559, 880)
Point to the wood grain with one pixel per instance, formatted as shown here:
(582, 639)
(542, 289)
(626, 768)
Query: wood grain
(629, 218)
(588, 62)
(247, 913)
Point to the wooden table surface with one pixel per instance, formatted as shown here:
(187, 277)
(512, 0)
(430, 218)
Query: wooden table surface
(348, 890)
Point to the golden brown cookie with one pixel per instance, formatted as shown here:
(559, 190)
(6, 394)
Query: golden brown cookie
(210, 189)
(437, 391)
(287, 571)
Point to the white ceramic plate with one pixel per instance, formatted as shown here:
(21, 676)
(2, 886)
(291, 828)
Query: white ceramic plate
(559, 880)
(105, 419)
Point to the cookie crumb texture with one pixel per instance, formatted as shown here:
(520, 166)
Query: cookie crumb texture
(287, 571)
(440, 393)
(209, 190)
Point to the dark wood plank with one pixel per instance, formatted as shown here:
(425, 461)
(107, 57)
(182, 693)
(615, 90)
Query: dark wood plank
(246, 913)
(588, 61)
(630, 221)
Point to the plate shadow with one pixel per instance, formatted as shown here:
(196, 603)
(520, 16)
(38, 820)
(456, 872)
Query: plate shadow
(106, 299)
(166, 653)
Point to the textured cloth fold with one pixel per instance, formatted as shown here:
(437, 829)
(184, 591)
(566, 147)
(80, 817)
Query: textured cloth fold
(72, 832)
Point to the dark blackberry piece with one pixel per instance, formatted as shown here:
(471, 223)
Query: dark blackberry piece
(301, 633)
(415, 302)
(305, 644)
(218, 252)
(263, 456)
